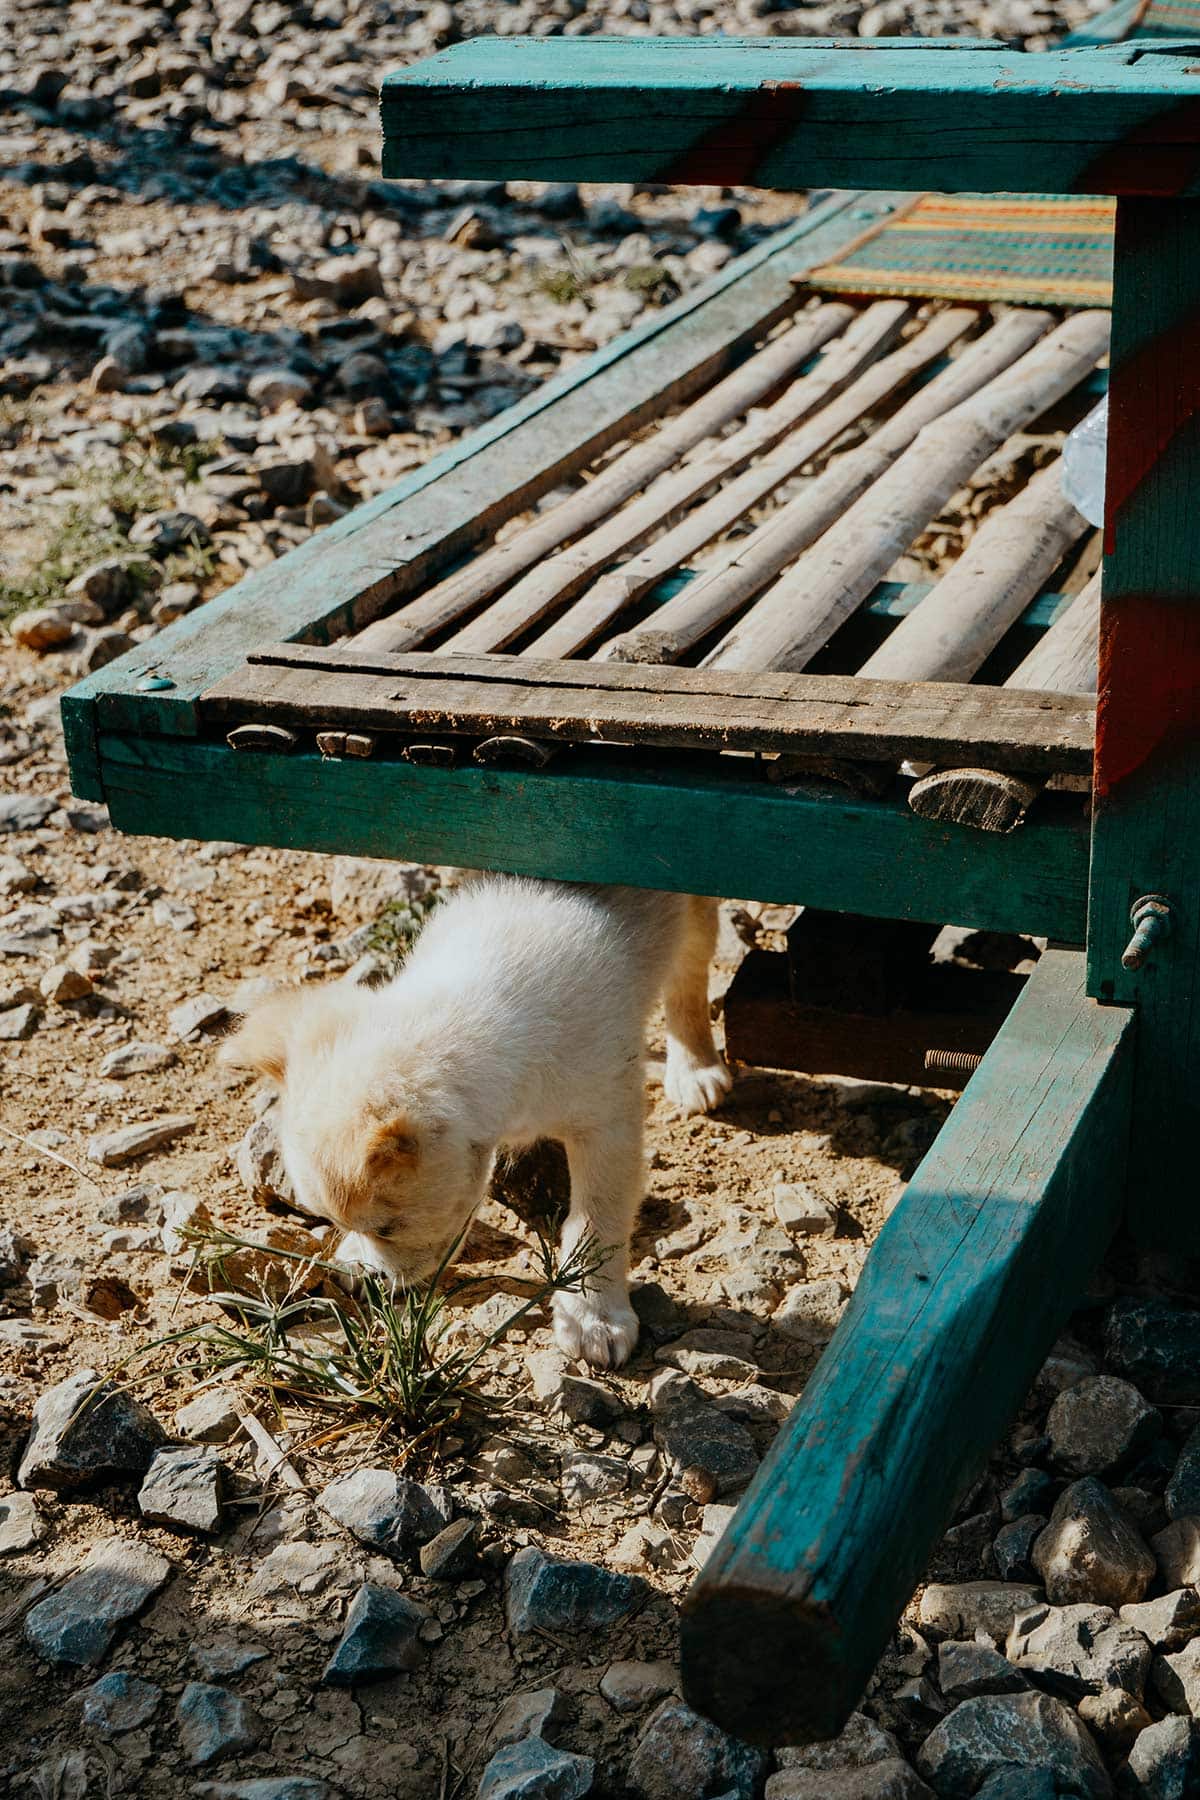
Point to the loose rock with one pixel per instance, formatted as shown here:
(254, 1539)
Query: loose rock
(184, 1489)
(79, 1622)
(1091, 1551)
(119, 1702)
(112, 1148)
(532, 1714)
(384, 1510)
(1165, 1760)
(21, 1524)
(1077, 1650)
(628, 1686)
(213, 1724)
(1009, 1732)
(86, 1431)
(381, 1638)
(1098, 1424)
(1157, 1345)
(451, 1554)
(212, 1417)
(961, 1609)
(709, 1453)
(965, 1671)
(532, 1770)
(1183, 1489)
(680, 1755)
(544, 1593)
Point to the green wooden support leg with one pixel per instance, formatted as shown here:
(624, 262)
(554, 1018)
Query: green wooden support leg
(1146, 830)
(961, 1297)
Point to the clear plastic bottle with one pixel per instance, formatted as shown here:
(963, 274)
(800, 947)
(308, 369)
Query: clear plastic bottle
(1083, 464)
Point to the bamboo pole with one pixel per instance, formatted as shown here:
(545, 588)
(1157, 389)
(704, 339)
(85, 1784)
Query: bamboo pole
(749, 564)
(561, 577)
(1063, 662)
(623, 477)
(789, 623)
(868, 391)
(1006, 564)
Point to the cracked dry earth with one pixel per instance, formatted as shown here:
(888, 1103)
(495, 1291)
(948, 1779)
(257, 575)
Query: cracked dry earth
(210, 309)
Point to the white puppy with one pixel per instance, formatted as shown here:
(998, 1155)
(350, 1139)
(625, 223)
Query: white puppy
(520, 1014)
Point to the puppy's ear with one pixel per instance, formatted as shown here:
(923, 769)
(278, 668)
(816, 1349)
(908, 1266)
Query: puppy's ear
(261, 1040)
(392, 1144)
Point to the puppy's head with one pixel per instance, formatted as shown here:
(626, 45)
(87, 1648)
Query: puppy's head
(371, 1136)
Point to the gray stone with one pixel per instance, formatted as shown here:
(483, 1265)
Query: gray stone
(381, 1638)
(1156, 1344)
(628, 1686)
(680, 1755)
(810, 1310)
(18, 1023)
(119, 1702)
(531, 1770)
(1177, 1550)
(1091, 1550)
(24, 812)
(709, 1453)
(1183, 1489)
(184, 1489)
(136, 1059)
(1097, 1425)
(587, 1478)
(451, 1554)
(21, 1524)
(260, 1164)
(860, 1744)
(963, 1608)
(77, 1440)
(589, 1402)
(226, 1655)
(1167, 1622)
(1114, 1717)
(965, 1671)
(1165, 1760)
(802, 1212)
(548, 1594)
(384, 1510)
(1023, 1784)
(1012, 1732)
(1029, 1493)
(890, 1780)
(1013, 1547)
(1177, 1679)
(211, 1418)
(79, 1622)
(532, 1714)
(113, 1148)
(1077, 1650)
(213, 1724)
(196, 1015)
(269, 1787)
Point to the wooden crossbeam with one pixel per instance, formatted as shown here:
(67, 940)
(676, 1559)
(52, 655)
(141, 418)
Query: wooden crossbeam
(960, 1299)
(665, 708)
(776, 113)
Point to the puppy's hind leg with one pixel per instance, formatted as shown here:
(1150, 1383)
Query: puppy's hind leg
(697, 1078)
(596, 1323)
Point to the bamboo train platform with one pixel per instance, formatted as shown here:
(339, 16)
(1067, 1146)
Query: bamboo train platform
(692, 616)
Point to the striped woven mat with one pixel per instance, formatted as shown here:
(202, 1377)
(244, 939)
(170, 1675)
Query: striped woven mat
(1169, 18)
(1055, 250)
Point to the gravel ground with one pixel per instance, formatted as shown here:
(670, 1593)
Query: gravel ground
(219, 332)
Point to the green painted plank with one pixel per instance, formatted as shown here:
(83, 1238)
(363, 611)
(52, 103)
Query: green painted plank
(788, 114)
(1146, 837)
(345, 574)
(598, 817)
(960, 1298)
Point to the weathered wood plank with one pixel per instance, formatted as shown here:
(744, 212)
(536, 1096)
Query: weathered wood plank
(392, 545)
(1146, 835)
(960, 1299)
(684, 709)
(791, 620)
(686, 830)
(785, 114)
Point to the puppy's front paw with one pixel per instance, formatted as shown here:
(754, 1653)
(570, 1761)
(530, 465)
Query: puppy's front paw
(695, 1087)
(596, 1329)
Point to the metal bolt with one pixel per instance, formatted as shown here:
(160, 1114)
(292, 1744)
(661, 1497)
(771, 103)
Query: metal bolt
(960, 1061)
(1151, 920)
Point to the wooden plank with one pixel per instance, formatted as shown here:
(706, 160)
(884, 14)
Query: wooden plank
(951, 1318)
(740, 570)
(786, 114)
(873, 387)
(390, 545)
(1146, 836)
(622, 479)
(668, 708)
(796, 615)
(686, 830)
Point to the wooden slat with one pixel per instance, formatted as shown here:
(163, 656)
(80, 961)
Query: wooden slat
(960, 1299)
(560, 577)
(617, 589)
(784, 114)
(1146, 834)
(396, 543)
(746, 565)
(649, 824)
(619, 481)
(790, 622)
(667, 708)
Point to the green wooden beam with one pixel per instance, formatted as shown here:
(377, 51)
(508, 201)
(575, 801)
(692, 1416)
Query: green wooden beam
(778, 113)
(598, 817)
(960, 1298)
(351, 571)
(1146, 837)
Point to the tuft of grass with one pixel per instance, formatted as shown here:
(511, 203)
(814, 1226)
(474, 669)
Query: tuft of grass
(651, 282)
(378, 1357)
(396, 927)
(563, 283)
